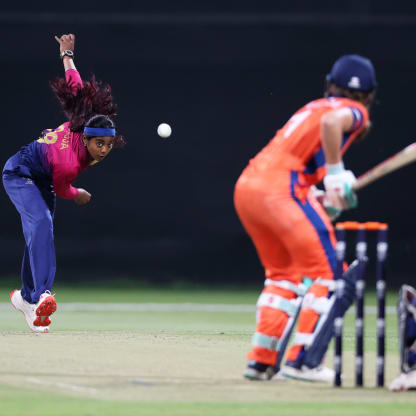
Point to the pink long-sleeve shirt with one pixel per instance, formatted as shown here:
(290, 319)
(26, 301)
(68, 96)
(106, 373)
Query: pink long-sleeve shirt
(59, 154)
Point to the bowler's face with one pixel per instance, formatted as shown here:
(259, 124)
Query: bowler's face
(99, 147)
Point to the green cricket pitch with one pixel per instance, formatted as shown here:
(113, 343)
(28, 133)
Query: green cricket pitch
(170, 362)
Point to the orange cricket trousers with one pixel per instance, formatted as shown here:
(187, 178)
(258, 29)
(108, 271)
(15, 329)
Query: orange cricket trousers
(294, 238)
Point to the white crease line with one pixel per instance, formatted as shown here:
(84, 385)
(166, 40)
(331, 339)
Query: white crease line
(65, 386)
(170, 307)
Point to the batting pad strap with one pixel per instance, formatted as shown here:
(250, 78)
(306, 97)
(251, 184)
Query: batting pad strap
(320, 305)
(301, 338)
(300, 290)
(330, 284)
(271, 300)
(265, 341)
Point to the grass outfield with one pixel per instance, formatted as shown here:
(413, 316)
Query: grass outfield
(170, 362)
(59, 405)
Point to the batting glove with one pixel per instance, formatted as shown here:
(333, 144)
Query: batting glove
(339, 188)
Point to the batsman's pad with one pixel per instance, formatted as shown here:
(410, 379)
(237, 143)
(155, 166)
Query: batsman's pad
(406, 311)
(307, 283)
(315, 351)
(290, 308)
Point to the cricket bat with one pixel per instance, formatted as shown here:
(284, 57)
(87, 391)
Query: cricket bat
(397, 161)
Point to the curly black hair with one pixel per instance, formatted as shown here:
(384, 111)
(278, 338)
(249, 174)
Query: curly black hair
(91, 106)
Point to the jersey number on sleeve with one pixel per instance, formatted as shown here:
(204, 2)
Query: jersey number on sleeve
(52, 136)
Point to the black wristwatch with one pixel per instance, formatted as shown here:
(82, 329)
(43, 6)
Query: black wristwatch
(68, 53)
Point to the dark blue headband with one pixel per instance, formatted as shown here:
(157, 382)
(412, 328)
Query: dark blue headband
(97, 132)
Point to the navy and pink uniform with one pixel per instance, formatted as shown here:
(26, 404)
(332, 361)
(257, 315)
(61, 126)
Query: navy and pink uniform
(41, 169)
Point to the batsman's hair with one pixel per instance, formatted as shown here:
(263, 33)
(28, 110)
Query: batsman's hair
(91, 104)
(364, 97)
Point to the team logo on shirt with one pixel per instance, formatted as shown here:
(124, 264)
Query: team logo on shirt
(354, 82)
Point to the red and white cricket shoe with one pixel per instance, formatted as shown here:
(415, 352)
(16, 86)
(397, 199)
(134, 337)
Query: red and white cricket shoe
(36, 315)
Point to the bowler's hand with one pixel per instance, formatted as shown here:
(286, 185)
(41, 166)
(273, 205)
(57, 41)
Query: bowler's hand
(66, 42)
(83, 197)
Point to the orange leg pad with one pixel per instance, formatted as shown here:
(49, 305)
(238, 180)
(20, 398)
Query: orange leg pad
(271, 324)
(293, 352)
(308, 318)
(262, 355)
(318, 290)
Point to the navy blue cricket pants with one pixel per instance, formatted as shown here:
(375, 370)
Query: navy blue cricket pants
(34, 199)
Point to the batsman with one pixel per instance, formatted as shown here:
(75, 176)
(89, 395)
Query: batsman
(289, 222)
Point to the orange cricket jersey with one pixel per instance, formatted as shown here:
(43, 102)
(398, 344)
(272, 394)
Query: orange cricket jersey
(297, 145)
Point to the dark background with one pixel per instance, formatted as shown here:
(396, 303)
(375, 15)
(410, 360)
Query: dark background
(226, 76)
